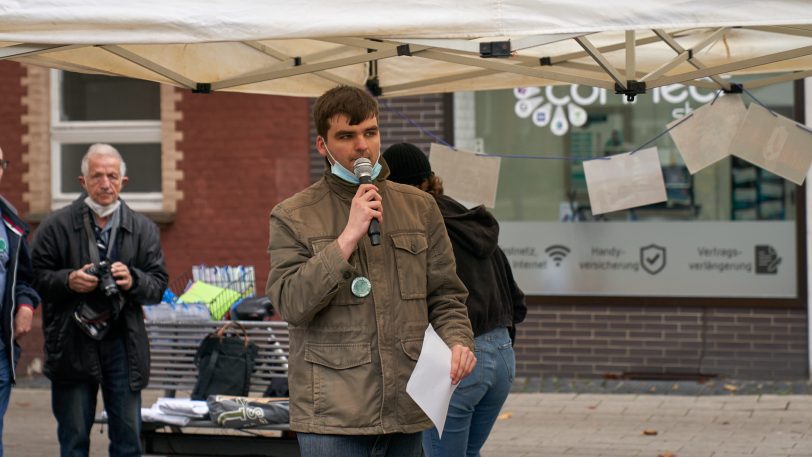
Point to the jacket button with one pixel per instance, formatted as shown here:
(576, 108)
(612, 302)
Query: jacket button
(347, 275)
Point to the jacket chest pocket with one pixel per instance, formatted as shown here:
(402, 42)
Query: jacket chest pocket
(344, 295)
(410, 259)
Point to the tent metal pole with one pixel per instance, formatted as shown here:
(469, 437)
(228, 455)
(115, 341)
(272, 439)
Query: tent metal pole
(639, 74)
(733, 66)
(778, 79)
(498, 65)
(631, 58)
(23, 50)
(672, 43)
(662, 69)
(682, 56)
(150, 65)
(605, 49)
(306, 68)
(265, 49)
(440, 80)
(473, 46)
(784, 30)
(601, 60)
(286, 61)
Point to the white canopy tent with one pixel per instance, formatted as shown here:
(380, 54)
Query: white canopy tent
(408, 47)
(402, 47)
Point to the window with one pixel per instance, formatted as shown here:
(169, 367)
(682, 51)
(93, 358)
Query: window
(727, 231)
(89, 109)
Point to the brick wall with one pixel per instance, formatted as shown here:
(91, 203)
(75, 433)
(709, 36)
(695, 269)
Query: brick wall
(242, 154)
(593, 341)
(12, 132)
(12, 187)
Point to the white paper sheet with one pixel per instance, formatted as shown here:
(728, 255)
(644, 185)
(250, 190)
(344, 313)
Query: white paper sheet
(624, 181)
(430, 384)
(704, 138)
(466, 176)
(774, 143)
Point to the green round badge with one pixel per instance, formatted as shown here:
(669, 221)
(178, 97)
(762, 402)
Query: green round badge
(361, 287)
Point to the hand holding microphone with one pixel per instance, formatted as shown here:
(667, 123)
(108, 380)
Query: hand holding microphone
(362, 168)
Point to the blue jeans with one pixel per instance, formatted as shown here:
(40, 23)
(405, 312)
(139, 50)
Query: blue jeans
(74, 406)
(5, 387)
(393, 445)
(477, 401)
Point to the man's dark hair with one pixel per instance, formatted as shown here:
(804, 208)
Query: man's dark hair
(353, 102)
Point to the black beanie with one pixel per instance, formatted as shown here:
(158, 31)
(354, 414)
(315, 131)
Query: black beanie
(407, 164)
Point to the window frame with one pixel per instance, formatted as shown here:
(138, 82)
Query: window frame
(79, 132)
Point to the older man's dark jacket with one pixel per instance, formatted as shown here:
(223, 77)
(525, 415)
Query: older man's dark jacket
(61, 246)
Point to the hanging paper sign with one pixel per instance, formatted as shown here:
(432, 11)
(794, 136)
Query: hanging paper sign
(774, 143)
(703, 138)
(467, 177)
(624, 181)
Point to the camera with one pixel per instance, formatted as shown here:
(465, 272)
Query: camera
(102, 271)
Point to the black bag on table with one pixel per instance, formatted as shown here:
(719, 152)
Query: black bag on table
(224, 363)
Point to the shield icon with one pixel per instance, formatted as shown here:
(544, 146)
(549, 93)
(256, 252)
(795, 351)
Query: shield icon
(652, 258)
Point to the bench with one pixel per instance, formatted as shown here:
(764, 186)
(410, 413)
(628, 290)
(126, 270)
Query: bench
(172, 351)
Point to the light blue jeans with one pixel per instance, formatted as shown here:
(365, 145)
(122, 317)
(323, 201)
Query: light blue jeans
(5, 387)
(392, 445)
(477, 401)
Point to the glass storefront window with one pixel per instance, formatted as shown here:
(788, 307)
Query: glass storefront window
(728, 230)
(584, 122)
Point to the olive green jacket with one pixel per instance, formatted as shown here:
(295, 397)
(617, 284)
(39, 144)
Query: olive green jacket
(351, 357)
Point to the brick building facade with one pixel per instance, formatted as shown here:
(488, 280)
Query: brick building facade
(228, 158)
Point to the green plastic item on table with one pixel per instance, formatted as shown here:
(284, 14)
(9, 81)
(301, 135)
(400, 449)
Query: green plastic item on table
(218, 299)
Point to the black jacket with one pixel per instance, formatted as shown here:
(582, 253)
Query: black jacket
(18, 290)
(494, 298)
(61, 246)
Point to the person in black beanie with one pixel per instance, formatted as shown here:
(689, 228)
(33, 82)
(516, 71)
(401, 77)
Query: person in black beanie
(495, 305)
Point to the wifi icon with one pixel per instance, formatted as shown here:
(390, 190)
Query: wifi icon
(557, 252)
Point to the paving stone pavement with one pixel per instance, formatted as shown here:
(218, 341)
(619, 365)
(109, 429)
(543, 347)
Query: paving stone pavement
(615, 425)
(549, 423)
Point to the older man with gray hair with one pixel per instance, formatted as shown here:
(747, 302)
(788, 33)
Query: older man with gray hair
(96, 262)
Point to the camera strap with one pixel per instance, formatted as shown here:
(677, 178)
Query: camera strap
(93, 323)
(91, 236)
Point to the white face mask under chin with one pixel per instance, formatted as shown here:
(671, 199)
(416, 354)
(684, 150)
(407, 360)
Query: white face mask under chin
(347, 175)
(100, 210)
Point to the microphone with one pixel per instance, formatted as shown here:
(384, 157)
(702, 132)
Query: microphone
(362, 168)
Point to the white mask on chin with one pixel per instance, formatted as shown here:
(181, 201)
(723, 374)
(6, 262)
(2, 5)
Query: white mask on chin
(101, 210)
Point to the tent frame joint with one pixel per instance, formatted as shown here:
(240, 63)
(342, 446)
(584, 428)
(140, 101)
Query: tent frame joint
(632, 89)
(735, 88)
(202, 88)
(546, 61)
(404, 50)
(374, 86)
(490, 49)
